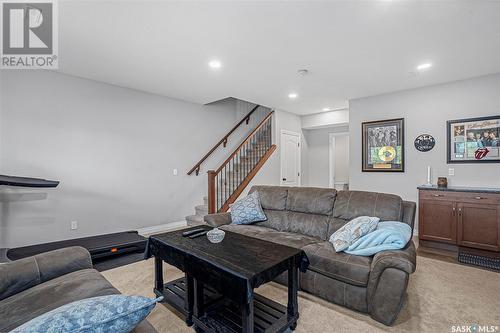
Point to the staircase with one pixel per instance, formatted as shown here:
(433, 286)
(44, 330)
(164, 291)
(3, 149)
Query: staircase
(200, 212)
(227, 182)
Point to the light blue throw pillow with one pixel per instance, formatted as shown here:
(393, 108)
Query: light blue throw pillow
(247, 210)
(111, 313)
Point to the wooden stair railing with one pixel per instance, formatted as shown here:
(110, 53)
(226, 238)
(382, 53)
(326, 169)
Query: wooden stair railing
(227, 182)
(223, 142)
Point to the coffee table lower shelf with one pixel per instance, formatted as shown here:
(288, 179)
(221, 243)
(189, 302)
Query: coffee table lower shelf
(224, 315)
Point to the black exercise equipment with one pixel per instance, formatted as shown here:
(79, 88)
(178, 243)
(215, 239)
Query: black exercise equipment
(27, 182)
(105, 250)
(100, 247)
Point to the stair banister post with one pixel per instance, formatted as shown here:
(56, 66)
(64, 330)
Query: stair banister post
(212, 209)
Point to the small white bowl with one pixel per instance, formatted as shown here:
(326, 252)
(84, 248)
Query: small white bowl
(215, 235)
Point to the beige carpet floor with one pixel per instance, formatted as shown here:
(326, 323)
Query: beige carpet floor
(440, 294)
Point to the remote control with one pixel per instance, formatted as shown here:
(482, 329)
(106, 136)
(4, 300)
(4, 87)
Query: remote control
(198, 234)
(192, 232)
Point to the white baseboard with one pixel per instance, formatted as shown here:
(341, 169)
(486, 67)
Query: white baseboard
(157, 229)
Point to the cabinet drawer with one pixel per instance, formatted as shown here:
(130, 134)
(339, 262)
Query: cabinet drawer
(438, 195)
(480, 198)
(469, 197)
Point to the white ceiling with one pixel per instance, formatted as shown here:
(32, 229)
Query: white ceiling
(352, 49)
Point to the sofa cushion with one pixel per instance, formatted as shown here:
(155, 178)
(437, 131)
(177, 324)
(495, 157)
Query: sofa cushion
(30, 303)
(333, 290)
(276, 219)
(351, 204)
(324, 260)
(314, 225)
(311, 200)
(271, 197)
(279, 237)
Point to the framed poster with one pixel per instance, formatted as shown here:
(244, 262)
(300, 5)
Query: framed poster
(473, 140)
(383, 145)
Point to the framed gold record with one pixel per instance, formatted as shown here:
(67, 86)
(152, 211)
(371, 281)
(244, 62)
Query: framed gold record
(383, 145)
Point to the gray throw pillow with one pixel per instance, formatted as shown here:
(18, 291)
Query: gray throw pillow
(352, 230)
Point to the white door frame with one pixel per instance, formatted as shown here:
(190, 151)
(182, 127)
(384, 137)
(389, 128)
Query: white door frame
(331, 157)
(282, 152)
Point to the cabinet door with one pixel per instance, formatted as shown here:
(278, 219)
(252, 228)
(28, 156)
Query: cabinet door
(478, 226)
(437, 221)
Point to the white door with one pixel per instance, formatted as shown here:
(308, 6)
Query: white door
(290, 158)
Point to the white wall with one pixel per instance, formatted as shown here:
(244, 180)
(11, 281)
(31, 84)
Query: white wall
(317, 160)
(425, 110)
(113, 149)
(326, 119)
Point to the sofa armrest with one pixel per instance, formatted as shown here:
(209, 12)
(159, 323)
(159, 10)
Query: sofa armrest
(216, 220)
(25, 273)
(388, 281)
(404, 259)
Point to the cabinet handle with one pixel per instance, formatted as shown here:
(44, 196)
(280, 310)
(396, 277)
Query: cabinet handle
(479, 198)
(454, 211)
(460, 211)
(437, 195)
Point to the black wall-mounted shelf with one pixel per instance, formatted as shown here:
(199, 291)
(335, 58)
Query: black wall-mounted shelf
(27, 182)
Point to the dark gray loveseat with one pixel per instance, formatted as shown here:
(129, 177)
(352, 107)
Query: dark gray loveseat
(306, 217)
(35, 285)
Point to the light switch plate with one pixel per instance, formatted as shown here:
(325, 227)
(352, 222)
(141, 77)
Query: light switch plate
(451, 172)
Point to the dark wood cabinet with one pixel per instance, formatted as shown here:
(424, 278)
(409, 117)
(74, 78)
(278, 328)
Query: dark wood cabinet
(444, 212)
(453, 218)
(478, 226)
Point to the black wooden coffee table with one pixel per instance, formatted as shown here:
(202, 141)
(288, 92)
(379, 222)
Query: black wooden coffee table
(217, 292)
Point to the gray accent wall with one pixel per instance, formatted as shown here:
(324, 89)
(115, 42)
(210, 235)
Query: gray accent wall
(425, 110)
(113, 149)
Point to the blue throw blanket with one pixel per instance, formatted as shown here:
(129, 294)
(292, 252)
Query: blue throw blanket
(387, 236)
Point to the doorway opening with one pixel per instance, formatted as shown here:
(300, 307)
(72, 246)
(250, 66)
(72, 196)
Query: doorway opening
(339, 160)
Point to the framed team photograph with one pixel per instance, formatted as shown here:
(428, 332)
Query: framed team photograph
(383, 146)
(473, 140)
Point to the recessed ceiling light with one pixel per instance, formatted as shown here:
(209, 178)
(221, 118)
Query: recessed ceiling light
(303, 72)
(292, 95)
(215, 64)
(327, 109)
(423, 67)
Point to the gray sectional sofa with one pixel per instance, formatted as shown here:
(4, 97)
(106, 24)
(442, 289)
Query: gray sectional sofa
(35, 285)
(306, 217)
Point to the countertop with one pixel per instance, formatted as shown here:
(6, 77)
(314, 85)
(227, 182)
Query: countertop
(460, 189)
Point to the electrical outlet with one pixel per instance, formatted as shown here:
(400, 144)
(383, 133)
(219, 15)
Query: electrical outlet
(74, 225)
(175, 172)
(451, 172)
